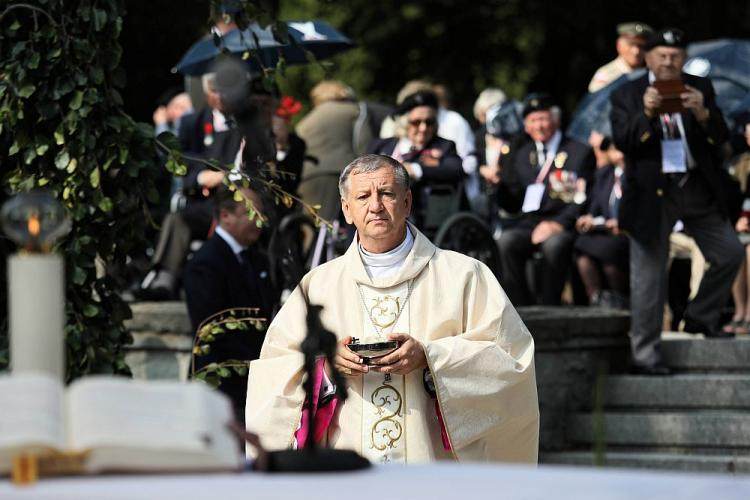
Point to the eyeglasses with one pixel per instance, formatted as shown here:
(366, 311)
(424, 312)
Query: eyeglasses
(430, 122)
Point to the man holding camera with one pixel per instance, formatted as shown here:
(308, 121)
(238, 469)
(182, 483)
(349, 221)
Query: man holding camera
(671, 131)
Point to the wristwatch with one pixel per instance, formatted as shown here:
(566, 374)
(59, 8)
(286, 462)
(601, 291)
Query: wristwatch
(429, 383)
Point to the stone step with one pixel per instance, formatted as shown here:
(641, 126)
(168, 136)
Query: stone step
(651, 460)
(169, 317)
(727, 391)
(688, 353)
(699, 428)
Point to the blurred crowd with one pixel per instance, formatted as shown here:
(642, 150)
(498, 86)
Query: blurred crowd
(645, 212)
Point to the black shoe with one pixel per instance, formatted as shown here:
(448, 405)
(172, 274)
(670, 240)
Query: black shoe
(154, 294)
(657, 370)
(692, 326)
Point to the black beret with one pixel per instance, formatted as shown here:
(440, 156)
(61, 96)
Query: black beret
(667, 37)
(421, 98)
(537, 101)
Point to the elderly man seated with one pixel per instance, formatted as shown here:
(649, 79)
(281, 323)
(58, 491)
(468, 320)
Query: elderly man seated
(461, 384)
(545, 178)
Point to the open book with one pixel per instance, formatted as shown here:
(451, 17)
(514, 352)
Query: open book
(117, 424)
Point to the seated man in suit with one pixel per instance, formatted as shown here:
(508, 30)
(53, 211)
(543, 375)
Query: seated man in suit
(429, 159)
(545, 177)
(230, 271)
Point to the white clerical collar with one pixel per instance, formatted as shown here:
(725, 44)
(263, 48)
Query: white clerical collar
(379, 265)
(229, 239)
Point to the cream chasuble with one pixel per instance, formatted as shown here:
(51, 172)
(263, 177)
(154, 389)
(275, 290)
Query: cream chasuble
(478, 350)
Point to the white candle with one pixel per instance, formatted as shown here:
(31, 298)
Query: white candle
(36, 286)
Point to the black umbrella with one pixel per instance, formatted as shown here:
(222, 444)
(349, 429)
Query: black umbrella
(727, 63)
(258, 47)
(592, 113)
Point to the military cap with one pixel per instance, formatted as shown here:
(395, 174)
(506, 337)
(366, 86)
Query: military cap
(421, 98)
(667, 37)
(634, 29)
(537, 101)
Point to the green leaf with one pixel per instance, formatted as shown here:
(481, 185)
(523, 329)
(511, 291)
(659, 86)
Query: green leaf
(62, 159)
(90, 310)
(238, 196)
(72, 166)
(79, 276)
(54, 53)
(33, 61)
(123, 155)
(100, 19)
(59, 138)
(94, 178)
(26, 91)
(14, 148)
(223, 372)
(106, 205)
(232, 325)
(41, 149)
(43, 181)
(77, 100)
(29, 156)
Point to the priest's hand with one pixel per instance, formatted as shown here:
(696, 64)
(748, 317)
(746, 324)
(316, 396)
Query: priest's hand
(348, 363)
(404, 360)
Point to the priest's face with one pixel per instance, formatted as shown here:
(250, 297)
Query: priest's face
(378, 207)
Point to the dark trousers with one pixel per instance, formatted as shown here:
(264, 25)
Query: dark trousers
(516, 248)
(648, 274)
(178, 229)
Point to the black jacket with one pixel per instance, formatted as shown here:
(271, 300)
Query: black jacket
(215, 280)
(640, 139)
(520, 169)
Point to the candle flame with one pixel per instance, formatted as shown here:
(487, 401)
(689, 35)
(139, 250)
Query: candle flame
(34, 226)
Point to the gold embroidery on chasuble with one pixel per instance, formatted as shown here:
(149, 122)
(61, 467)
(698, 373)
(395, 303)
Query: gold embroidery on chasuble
(383, 397)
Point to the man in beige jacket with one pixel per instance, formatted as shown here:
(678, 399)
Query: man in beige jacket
(461, 385)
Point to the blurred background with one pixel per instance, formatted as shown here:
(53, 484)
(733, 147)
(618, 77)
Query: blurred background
(517, 45)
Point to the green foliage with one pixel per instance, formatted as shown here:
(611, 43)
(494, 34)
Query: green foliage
(234, 321)
(466, 46)
(62, 127)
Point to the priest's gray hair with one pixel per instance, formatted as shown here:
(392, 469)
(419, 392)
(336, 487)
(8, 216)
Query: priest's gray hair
(371, 163)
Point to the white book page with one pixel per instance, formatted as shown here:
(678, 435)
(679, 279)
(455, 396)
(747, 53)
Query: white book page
(31, 415)
(150, 418)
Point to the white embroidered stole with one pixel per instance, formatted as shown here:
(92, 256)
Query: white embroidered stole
(383, 402)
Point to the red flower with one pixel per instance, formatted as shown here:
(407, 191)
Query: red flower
(208, 128)
(288, 107)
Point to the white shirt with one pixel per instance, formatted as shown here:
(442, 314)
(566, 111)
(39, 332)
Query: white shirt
(229, 239)
(383, 265)
(551, 147)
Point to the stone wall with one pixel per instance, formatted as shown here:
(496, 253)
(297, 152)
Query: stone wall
(573, 345)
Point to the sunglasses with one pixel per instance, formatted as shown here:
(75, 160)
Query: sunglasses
(430, 122)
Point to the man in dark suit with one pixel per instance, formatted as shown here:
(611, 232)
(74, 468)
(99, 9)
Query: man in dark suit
(230, 271)
(672, 172)
(545, 177)
(204, 135)
(432, 162)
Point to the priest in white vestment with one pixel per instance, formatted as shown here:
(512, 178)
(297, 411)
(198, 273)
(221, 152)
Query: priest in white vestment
(461, 386)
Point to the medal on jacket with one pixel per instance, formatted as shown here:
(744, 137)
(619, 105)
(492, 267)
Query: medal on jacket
(560, 159)
(208, 134)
